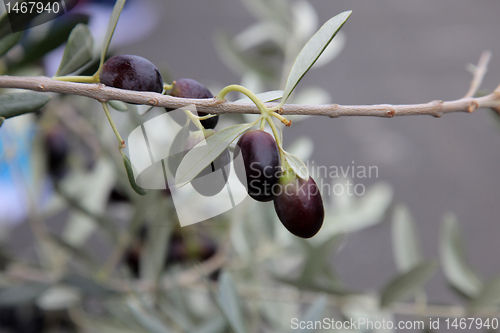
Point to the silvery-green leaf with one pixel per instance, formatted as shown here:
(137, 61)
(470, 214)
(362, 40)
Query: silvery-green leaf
(228, 300)
(212, 325)
(12, 105)
(306, 20)
(407, 283)
(58, 298)
(113, 20)
(130, 174)
(87, 286)
(452, 253)
(313, 314)
(311, 95)
(260, 33)
(489, 295)
(313, 49)
(241, 62)
(118, 105)
(78, 51)
(9, 42)
(267, 96)
(205, 152)
(406, 246)
(147, 319)
(332, 50)
(297, 165)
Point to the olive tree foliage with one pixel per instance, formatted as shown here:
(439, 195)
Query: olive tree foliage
(153, 276)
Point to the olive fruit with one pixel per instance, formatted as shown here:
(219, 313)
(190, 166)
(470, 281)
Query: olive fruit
(211, 180)
(189, 88)
(262, 164)
(299, 206)
(131, 72)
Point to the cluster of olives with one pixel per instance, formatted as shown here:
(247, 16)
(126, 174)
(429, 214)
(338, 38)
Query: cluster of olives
(297, 202)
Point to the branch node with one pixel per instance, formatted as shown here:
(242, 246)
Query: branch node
(40, 87)
(391, 112)
(153, 102)
(474, 105)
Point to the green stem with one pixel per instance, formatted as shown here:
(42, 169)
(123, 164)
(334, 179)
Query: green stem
(262, 123)
(121, 143)
(78, 79)
(168, 86)
(277, 137)
(194, 119)
(264, 110)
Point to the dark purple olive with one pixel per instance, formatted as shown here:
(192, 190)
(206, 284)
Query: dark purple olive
(189, 88)
(211, 180)
(262, 164)
(131, 72)
(299, 206)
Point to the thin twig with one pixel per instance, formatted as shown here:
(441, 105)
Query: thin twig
(479, 73)
(103, 93)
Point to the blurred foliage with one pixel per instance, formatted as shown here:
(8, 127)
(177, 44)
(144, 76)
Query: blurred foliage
(120, 262)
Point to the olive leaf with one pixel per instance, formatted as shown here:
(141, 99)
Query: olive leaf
(12, 105)
(407, 283)
(228, 300)
(130, 174)
(9, 42)
(455, 267)
(78, 51)
(489, 295)
(118, 105)
(113, 20)
(297, 165)
(312, 50)
(267, 96)
(21, 294)
(205, 152)
(405, 243)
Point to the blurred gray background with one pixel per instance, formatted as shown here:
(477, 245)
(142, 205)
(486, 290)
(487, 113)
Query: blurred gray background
(399, 52)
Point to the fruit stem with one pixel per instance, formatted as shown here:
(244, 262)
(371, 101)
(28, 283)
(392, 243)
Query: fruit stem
(277, 137)
(281, 118)
(194, 119)
(168, 86)
(264, 110)
(78, 79)
(262, 123)
(121, 143)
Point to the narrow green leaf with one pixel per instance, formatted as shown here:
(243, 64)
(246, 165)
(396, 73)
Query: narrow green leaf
(239, 61)
(56, 35)
(489, 295)
(267, 96)
(205, 152)
(228, 300)
(130, 174)
(147, 319)
(312, 50)
(118, 105)
(9, 42)
(78, 51)
(12, 105)
(407, 283)
(5, 28)
(405, 243)
(21, 294)
(297, 165)
(314, 313)
(113, 20)
(58, 298)
(452, 253)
